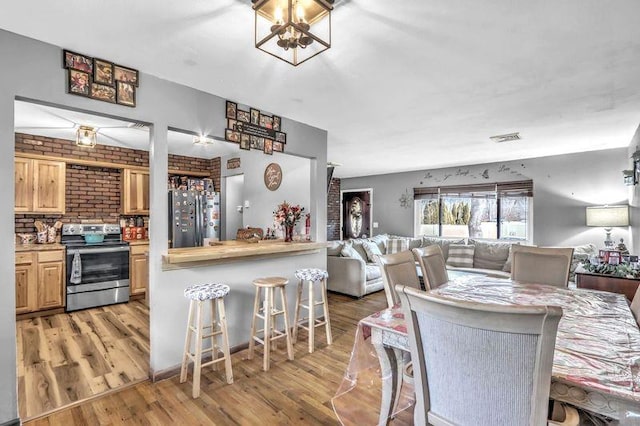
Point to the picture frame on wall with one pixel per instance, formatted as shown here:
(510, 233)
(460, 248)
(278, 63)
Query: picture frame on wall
(79, 82)
(125, 94)
(281, 137)
(268, 146)
(355, 213)
(276, 123)
(103, 72)
(278, 147)
(244, 116)
(255, 116)
(76, 61)
(232, 107)
(125, 75)
(231, 124)
(245, 142)
(232, 136)
(103, 92)
(266, 121)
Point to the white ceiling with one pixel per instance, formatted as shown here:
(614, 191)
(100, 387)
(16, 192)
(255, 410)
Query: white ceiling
(407, 85)
(41, 120)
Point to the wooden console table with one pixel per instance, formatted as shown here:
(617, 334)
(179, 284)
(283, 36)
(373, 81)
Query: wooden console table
(626, 286)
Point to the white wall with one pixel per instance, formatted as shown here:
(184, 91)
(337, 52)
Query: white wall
(563, 186)
(35, 72)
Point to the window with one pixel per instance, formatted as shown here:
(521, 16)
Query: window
(493, 211)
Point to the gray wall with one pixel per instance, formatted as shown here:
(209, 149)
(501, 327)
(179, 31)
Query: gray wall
(634, 198)
(293, 189)
(563, 186)
(32, 69)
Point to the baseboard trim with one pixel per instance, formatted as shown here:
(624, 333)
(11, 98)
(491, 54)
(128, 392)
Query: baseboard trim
(167, 373)
(14, 422)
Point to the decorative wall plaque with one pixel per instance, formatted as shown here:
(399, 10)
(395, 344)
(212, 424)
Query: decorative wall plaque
(233, 163)
(273, 176)
(254, 130)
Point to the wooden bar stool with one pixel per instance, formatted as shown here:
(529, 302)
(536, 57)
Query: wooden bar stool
(312, 276)
(198, 295)
(269, 316)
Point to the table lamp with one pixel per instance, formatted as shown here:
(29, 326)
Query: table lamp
(608, 217)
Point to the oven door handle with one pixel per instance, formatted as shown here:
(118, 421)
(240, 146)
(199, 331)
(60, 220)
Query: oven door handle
(98, 250)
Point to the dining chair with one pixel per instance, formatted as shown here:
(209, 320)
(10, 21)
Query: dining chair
(541, 265)
(479, 363)
(635, 306)
(398, 269)
(432, 265)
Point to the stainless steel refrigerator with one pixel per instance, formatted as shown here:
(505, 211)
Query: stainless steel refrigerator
(189, 218)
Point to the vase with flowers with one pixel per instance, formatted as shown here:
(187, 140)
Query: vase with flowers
(287, 215)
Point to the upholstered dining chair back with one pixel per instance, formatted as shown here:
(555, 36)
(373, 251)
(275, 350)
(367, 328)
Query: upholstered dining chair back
(433, 266)
(635, 306)
(541, 265)
(398, 269)
(478, 363)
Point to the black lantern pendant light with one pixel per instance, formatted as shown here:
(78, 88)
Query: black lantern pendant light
(293, 30)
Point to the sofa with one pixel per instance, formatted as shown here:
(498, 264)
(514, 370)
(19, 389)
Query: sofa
(353, 270)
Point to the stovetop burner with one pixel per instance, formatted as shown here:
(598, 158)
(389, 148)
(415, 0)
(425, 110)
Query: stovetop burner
(81, 243)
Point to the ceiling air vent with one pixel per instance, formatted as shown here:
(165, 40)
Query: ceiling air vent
(506, 138)
(137, 126)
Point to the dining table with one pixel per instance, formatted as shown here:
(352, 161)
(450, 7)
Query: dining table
(596, 364)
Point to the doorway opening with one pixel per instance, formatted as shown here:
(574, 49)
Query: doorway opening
(82, 319)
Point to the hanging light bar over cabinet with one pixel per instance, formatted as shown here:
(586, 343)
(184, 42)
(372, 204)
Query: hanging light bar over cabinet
(293, 30)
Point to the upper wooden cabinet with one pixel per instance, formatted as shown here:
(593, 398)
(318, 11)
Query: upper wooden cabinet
(40, 186)
(135, 192)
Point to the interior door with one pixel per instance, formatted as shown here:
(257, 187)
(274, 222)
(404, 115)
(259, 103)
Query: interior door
(356, 214)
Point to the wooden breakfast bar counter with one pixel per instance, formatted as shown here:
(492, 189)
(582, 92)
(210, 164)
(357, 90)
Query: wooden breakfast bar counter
(234, 251)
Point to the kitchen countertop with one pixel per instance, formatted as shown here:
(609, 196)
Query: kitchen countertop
(231, 251)
(38, 247)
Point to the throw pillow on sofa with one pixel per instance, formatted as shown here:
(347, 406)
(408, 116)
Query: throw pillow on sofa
(349, 251)
(444, 243)
(372, 250)
(396, 245)
(334, 248)
(461, 255)
(490, 254)
(356, 243)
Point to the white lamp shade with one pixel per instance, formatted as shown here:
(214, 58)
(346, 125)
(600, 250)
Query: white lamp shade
(608, 216)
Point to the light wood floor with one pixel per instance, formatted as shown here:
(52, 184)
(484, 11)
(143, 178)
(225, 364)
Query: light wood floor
(291, 393)
(69, 357)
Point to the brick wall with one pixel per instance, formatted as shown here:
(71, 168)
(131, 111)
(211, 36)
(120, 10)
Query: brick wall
(94, 192)
(333, 210)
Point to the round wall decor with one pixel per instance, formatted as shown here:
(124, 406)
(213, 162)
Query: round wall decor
(273, 176)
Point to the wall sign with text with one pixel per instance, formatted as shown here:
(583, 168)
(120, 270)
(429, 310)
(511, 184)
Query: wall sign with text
(273, 176)
(100, 79)
(254, 130)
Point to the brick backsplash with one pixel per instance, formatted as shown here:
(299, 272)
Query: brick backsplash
(333, 210)
(94, 192)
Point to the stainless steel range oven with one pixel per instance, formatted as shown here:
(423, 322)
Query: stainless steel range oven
(97, 265)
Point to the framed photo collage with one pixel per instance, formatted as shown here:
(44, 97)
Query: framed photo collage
(254, 130)
(99, 79)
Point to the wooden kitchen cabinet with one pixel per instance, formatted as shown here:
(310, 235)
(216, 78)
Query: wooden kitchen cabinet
(39, 186)
(40, 281)
(135, 192)
(138, 269)
(26, 283)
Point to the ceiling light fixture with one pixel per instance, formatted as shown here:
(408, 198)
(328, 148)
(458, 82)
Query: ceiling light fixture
(86, 136)
(293, 30)
(506, 138)
(202, 140)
